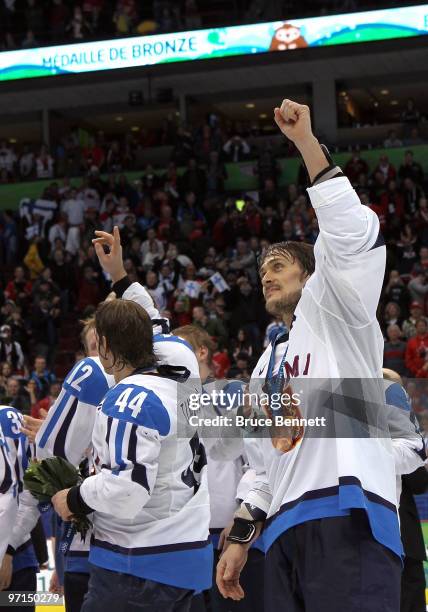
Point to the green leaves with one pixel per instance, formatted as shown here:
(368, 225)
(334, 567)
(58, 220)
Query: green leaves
(44, 479)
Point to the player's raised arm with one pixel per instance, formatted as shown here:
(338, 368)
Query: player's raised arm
(349, 250)
(112, 263)
(294, 121)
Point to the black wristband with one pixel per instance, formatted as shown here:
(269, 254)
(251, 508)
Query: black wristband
(242, 532)
(121, 286)
(10, 550)
(75, 502)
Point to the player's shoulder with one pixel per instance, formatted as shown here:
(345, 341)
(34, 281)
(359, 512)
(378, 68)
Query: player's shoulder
(142, 400)
(87, 381)
(176, 351)
(395, 395)
(10, 421)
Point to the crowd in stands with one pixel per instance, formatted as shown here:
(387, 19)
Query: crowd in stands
(195, 247)
(216, 141)
(31, 23)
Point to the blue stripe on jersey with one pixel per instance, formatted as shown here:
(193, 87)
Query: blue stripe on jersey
(338, 501)
(118, 443)
(24, 557)
(53, 419)
(396, 396)
(59, 444)
(77, 561)
(165, 338)
(188, 568)
(7, 478)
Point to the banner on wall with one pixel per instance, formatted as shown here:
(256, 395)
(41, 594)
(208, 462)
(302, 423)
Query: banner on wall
(275, 36)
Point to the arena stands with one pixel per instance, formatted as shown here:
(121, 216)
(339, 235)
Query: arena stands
(28, 23)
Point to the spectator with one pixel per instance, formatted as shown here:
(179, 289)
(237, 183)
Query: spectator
(416, 357)
(78, 27)
(240, 369)
(396, 291)
(410, 168)
(392, 315)
(7, 161)
(10, 350)
(5, 374)
(242, 344)
(410, 115)
(42, 406)
(355, 167)
(26, 163)
(418, 288)
(16, 396)
(392, 140)
(30, 41)
(43, 325)
(213, 326)
(42, 376)
(409, 325)
(394, 351)
(44, 164)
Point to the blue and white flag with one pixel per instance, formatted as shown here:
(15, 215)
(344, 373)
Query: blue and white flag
(44, 208)
(219, 282)
(192, 289)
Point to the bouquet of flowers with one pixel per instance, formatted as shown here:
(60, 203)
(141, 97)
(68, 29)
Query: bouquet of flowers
(45, 478)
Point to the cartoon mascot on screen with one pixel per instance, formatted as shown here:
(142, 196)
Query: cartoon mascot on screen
(287, 37)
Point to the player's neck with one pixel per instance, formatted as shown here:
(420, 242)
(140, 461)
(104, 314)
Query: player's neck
(204, 372)
(287, 317)
(123, 373)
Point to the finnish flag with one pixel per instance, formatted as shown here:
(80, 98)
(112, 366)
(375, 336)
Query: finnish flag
(192, 289)
(219, 282)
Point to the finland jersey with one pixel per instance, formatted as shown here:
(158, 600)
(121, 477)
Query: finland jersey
(67, 429)
(20, 453)
(150, 493)
(8, 495)
(66, 432)
(334, 335)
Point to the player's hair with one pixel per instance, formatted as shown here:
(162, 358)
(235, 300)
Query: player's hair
(128, 333)
(88, 324)
(197, 338)
(302, 252)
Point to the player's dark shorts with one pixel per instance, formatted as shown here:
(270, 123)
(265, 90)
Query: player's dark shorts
(109, 590)
(332, 565)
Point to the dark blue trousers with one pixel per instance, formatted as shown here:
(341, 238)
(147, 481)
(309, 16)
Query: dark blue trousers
(332, 565)
(124, 593)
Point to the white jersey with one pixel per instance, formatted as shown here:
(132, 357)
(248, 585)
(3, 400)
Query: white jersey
(334, 335)
(67, 429)
(24, 520)
(150, 495)
(8, 496)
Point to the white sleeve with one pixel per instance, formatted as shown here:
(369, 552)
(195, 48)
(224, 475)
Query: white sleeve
(350, 254)
(137, 293)
(407, 443)
(67, 430)
(259, 496)
(25, 520)
(125, 487)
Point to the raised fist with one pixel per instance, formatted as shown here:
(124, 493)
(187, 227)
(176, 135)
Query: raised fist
(294, 121)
